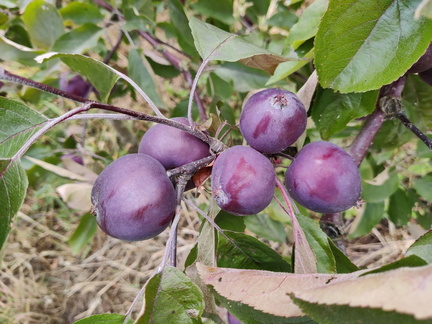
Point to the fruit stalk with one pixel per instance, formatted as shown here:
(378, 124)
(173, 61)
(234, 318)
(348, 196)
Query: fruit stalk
(374, 121)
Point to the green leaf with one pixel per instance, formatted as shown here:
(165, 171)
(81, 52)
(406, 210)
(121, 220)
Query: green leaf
(85, 231)
(377, 193)
(260, 6)
(318, 242)
(104, 318)
(423, 186)
(43, 22)
(242, 251)
(422, 247)
(332, 111)
(265, 227)
(371, 216)
(249, 315)
(221, 10)
(283, 18)
(141, 72)
(409, 261)
(134, 20)
(13, 187)
(342, 314)
(217, 44)
(400, 207)
(170, 297)
(242, 77)
(181, 23)
(230, 222)
(307, 25)
(81, 13)
(19, 123)
(78, 40)
(219, 88)
(364, 44)
(343, 263)
(287, 68)
(205, 253)
(11, 51)
(100, 75)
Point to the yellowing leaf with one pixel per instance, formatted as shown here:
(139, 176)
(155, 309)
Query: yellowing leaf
(76, 195)
(264, 290)
(404, 290)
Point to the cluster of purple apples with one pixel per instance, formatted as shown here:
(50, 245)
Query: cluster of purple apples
(323, 177)
(134, 199)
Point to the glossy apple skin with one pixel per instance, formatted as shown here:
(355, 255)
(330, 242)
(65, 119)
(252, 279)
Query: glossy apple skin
(171, 146)
(133, 198)
(324, 178)
(243, 181)
(272, 120)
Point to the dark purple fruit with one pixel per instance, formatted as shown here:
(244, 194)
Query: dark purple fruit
(133, 198)
(324, 178)
(426, 76)
(272, 120)
(243, 181)
(424, 63)
(76, 86)
(171, 146)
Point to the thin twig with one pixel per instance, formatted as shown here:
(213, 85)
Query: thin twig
(215, 145)
(413, 128)
(198, 75)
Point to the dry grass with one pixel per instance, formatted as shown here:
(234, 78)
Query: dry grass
(42, 282)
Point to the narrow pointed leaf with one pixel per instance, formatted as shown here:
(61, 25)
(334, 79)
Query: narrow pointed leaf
(318, 242)
(141, 72)
(83, 234)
